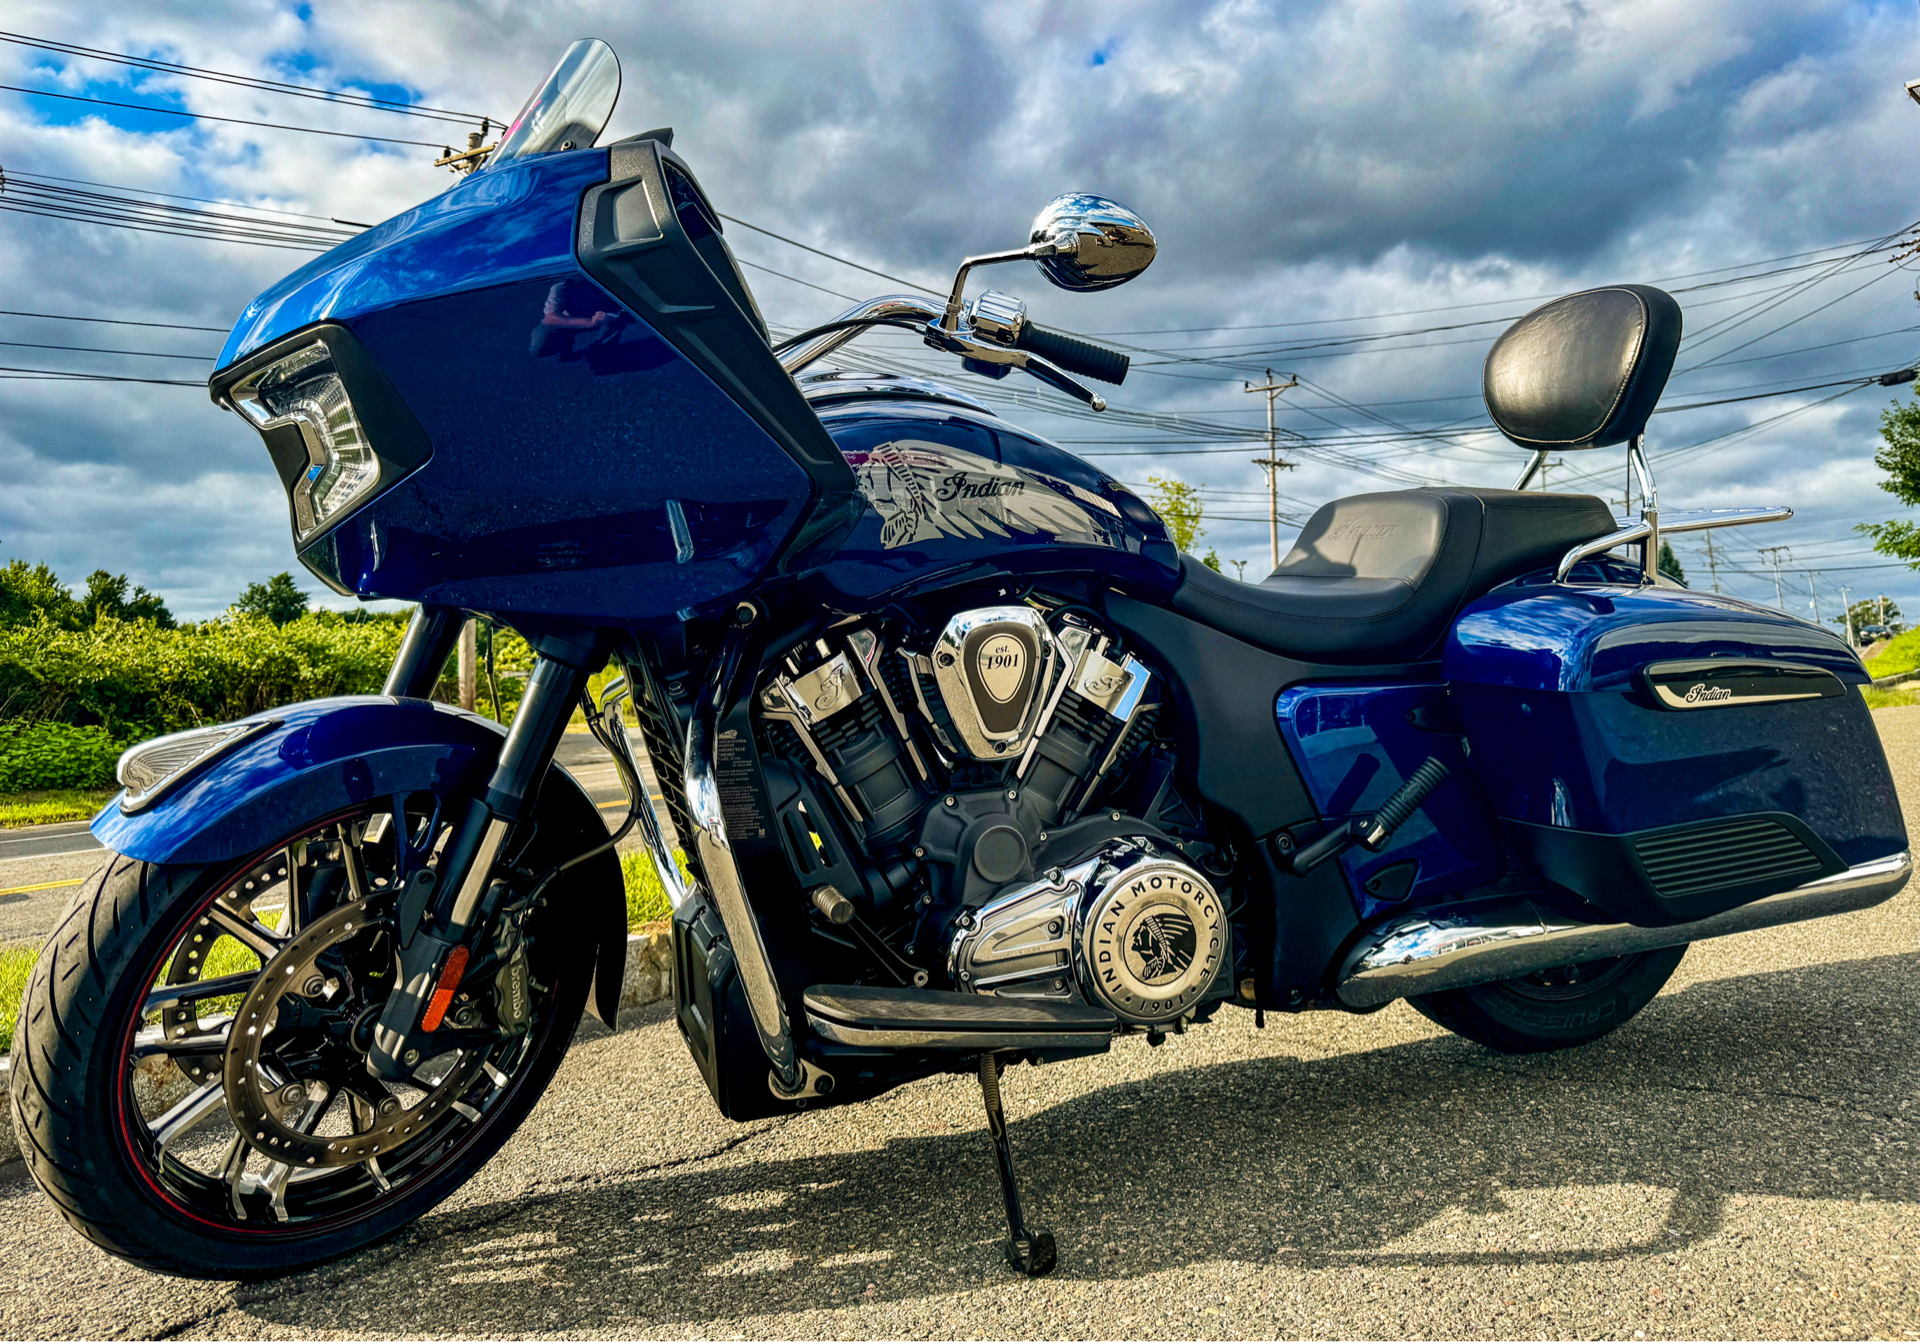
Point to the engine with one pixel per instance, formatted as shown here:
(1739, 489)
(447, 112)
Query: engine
(996, 810)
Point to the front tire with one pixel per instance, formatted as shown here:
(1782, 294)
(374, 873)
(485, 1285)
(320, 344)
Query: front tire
(1554, 1009)
(154, 1188)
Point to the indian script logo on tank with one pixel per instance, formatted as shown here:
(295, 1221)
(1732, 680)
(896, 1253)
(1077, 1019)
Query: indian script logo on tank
(1708, 694)
(1002, 662)
(924, 491)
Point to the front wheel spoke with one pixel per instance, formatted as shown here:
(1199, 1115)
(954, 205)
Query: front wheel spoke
(233, 1173)
(189, 1114)
(279, 1172)
(154, 1044)
(175, 994)
(262, 940)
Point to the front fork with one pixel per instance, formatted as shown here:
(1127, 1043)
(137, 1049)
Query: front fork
(437, 911)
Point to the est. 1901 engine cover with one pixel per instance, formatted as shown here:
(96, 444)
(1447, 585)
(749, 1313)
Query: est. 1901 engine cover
(994, 667)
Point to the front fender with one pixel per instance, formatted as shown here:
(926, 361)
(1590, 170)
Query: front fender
(328, 755)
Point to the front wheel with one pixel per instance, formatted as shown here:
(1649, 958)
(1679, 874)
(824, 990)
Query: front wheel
(196, 1115)
(1556, 1008)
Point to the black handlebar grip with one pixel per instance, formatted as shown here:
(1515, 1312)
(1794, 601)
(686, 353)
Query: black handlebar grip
(1073, 354)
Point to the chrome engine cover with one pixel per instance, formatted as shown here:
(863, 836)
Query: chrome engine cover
(995, 666)
(1129, 928)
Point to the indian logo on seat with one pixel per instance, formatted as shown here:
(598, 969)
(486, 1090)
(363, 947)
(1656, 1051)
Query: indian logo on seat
(1704, 693)
(1002, 663)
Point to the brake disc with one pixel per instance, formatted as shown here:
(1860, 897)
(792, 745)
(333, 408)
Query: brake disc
(266, 1109)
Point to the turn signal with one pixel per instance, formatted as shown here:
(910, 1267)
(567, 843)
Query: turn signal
(442, 998)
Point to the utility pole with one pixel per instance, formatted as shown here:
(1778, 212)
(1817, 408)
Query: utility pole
(1771, 554)
(1713, 563)
(1272, 462)
(1846, 609)
(1545, 466)
(1813, 598)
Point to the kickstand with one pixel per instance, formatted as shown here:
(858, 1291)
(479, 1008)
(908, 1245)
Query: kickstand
(1028, 1251)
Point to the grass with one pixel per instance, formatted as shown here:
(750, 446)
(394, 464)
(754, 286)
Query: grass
(1902, 653)
(15, 964)
(50, 808)
(646, 897)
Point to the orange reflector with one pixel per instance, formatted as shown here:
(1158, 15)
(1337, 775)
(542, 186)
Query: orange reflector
(442, 998)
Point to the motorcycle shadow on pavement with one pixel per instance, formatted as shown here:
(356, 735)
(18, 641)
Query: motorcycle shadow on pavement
(1432, 1152)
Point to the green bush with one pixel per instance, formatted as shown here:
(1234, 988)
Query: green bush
(42, 756)
(137, 680)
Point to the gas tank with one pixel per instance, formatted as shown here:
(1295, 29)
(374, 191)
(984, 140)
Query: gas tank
(953, 491)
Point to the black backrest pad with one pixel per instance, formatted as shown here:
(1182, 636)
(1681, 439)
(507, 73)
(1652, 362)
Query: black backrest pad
(1585, 370)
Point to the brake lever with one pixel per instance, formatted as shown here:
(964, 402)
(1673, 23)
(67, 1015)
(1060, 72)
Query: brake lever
(1053, 377)
(962, 343)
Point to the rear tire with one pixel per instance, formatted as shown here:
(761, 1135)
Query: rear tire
(1558, 1008)
(88, 1146)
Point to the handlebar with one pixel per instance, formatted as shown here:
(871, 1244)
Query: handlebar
(1072, 354)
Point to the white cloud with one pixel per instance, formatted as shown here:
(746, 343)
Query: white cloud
(1299, 161)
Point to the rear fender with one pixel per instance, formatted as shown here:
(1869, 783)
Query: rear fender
(328, 755)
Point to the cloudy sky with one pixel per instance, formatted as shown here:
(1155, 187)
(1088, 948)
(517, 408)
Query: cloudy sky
(1359, 194)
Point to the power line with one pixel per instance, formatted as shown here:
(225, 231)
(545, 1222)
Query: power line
(808, 247)
(363, 100)
(198, 200)
(57, 374)
(204, 116)
(91, 349)
(110, 321)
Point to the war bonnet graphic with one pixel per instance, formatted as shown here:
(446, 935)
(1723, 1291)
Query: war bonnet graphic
(924, 491)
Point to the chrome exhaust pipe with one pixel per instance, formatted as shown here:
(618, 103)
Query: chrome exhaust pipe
(1486, 941)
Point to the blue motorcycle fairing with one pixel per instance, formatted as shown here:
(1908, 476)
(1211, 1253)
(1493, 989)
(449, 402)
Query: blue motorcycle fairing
(326, 756)
(586, 471)
(582, 468)
(486, 229)
(947, 489)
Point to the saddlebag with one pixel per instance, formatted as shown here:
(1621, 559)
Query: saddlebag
(1668, 754)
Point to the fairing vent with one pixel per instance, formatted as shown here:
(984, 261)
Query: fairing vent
(1719, 857)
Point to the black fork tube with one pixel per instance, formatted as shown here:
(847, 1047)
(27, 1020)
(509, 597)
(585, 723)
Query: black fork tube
(466, 868)
(430, 637)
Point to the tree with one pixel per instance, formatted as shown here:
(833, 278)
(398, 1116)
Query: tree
(278, 598)
(1899, 457)
(107, 595)
(1870, 611)
(1179, 506)
(29, 590)
(1669, 564)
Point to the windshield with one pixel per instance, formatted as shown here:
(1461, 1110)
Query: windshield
(570, 109)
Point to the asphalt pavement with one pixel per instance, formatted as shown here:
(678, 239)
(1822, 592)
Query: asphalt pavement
(1739, 1161)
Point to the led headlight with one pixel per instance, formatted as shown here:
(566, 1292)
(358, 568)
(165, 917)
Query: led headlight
(304, 389)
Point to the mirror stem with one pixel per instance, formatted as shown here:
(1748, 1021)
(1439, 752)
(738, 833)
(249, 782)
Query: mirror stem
(951, 321)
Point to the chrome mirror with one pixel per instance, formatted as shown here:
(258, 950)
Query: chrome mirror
(1085, 243)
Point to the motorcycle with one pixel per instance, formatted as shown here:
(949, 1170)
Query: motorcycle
(967, 765)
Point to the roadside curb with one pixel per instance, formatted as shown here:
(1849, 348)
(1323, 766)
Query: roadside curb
(1884, 681)
(648, 978)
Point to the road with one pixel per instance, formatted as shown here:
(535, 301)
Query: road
(40, 866)
(1741, 1160)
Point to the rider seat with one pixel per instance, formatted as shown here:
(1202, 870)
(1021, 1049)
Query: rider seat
(1378, 577)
